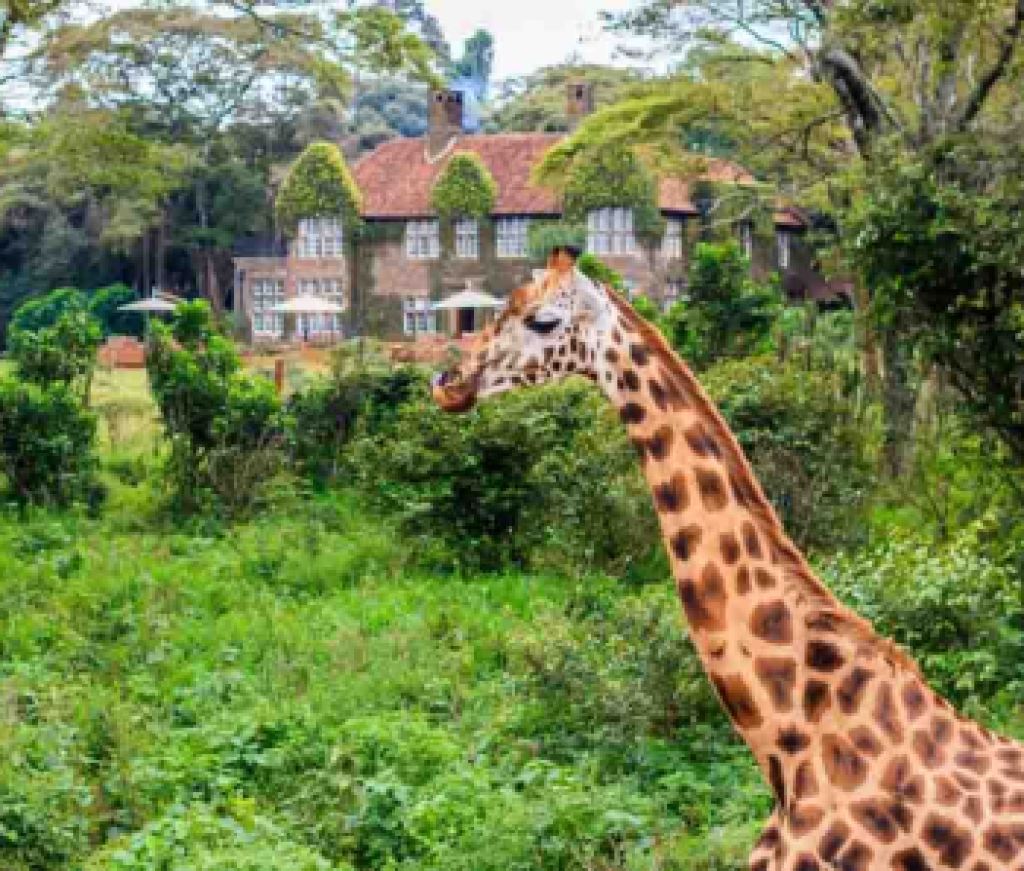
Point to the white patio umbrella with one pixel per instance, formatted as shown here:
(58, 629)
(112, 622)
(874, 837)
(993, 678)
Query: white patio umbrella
(307, 305)
(469, 299)
(151, 305)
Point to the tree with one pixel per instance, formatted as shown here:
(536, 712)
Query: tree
(896, 75)
(537, 102)
(318, 184)
(726, 314)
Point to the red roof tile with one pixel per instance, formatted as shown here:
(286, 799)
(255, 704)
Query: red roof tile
(396, 178)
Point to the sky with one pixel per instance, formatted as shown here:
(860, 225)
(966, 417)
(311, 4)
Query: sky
(531, 33)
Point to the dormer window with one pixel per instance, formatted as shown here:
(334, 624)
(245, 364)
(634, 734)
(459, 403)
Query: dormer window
(672, 242)
(320, 238)
(610, 232)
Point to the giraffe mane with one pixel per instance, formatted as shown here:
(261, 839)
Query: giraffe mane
(824, 606)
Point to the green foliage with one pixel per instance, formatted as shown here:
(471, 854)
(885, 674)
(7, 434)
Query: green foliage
(959, 612)
(325, 416)
(46, 443)
(597, 270)
(104, 305)
(225, 427)
(64, 353)
(613, 178)
(466, 188)
(938, 240)
(545, 236)
(319, 184)
(44, 311)
(806, 442)
(726, 313)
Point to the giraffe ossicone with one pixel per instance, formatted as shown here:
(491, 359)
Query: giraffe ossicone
(871, 769)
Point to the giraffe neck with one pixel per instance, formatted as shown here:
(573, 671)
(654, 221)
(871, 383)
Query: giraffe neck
(787, 659)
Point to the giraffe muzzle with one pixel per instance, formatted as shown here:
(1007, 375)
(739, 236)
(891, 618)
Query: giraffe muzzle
(452, 392)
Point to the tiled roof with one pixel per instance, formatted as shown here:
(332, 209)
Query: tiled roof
(396, 178)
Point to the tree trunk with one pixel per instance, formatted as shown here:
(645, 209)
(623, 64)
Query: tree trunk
(211, 285)
(161, 251)
(867, 340)
(898, 401)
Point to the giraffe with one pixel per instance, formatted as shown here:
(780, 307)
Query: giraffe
(869, 767)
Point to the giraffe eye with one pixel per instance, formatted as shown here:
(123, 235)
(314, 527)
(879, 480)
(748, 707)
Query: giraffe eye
(541, 323)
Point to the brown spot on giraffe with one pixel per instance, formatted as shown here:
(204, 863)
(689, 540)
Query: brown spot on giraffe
(873, 769)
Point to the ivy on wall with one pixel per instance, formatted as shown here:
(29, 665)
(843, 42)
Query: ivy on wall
(614, 178)
(318, 184)
(543, 236)
(725, 205)
(466, 189)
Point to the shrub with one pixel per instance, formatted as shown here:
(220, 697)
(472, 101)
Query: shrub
(225, 427)
(726, 313)
(64, 353)
(473, 484)
(44, 311)
(805, 442)
(466, 189)
(957, 611)
(323, 418)
(104, 305)
(46, 443)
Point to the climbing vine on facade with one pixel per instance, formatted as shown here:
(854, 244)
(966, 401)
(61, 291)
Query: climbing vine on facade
(614, 178)
(466, 189)
(319, 184)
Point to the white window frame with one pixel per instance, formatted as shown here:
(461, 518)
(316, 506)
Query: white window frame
(672, 242)
(512, 238)
(783, 244)
(610, 232)
(746, 234)
(423, 239)
(467, 239)
(320, 238)
(267, 293)
(418, 317)
(324, 324)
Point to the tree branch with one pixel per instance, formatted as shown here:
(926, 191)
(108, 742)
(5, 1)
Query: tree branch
(988, 81)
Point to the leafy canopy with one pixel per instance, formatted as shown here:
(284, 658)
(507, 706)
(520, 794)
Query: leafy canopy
(466, 188)
(318, 184)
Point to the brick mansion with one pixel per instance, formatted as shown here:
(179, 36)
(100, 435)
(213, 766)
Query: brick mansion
(407, 262)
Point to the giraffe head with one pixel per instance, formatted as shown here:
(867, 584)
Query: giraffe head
(549, 330)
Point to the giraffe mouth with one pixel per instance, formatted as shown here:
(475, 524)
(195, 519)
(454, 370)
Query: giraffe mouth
(452, 392)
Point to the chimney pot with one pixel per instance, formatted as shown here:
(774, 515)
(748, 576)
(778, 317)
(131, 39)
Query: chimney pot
(580, 102)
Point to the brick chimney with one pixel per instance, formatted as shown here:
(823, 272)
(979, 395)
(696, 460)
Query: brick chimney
(580, 101)
(444, 120)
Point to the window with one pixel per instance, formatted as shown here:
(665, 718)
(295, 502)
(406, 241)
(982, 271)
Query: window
(324, 323)
(610, 231)
(782, 241)
(672, 243)
(419, 317)
(747, 240)
(422, 240)
(512, 237)
(675, 290)
(320, 237)
(267, 293)
(467, 239)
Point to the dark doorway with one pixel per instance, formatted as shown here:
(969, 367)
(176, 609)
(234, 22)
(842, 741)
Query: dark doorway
(467, 321)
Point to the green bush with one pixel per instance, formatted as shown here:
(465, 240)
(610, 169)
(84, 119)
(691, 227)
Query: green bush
(64, 353)
(958, 612)
(325, 416)
(726, 313)
(44, 311)
(46, 443)
(104, 305)
(225, 427)
(806, 442)
(471, 489)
